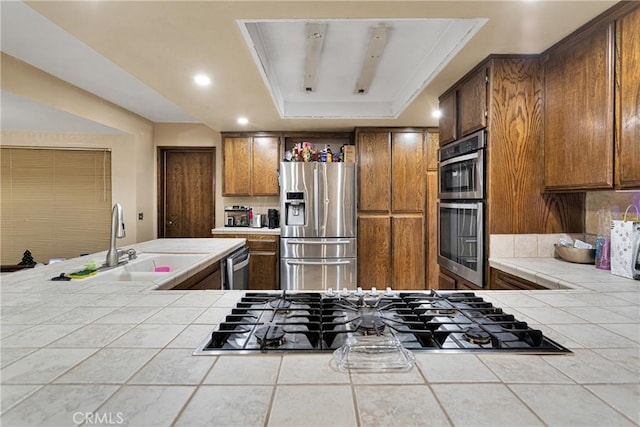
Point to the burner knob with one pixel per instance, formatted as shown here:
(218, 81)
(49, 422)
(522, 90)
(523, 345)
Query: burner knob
(359, 291)
(388, 291)
(374, 291)
(329, 292)
(345, 291)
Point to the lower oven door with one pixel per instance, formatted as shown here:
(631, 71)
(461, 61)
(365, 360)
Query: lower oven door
(460, 239)
(298, 274)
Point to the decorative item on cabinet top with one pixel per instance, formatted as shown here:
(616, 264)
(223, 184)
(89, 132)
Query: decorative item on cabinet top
(306, 151)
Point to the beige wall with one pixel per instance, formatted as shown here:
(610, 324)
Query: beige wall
(198, 135)
(133, 156)
(190, 135)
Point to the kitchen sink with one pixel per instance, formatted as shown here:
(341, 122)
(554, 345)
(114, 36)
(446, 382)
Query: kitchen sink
(152, 266)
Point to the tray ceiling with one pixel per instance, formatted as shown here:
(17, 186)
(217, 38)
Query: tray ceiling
(143, 55)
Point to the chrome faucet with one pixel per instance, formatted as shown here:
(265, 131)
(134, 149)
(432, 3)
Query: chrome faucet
(117, 232)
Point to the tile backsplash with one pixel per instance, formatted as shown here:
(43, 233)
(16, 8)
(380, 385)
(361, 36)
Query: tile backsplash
(529, 245)
(603, 206)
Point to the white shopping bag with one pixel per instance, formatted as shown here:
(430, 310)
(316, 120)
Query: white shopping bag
(625, 244)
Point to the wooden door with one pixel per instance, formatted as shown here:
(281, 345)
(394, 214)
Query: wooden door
(186, 192)
(374, 171)
(265, 163)
(627, 159)
(578, 122)
(408, 167)
(374, 251)
(472, 103)
(408, 252)
(236, 167)
(448, 118)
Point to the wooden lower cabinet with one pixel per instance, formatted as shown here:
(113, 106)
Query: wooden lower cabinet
(431, 232)
(391, 252)
(374, 251)
(449, 281)
(407, 252)
(209, 278)
(499, 280)
(446, 282)
(264, 261)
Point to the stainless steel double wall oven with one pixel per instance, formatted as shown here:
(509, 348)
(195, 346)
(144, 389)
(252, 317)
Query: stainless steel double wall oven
(461, 206)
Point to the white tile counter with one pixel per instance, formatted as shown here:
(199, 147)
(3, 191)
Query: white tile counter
(245, 230)
(122, 353)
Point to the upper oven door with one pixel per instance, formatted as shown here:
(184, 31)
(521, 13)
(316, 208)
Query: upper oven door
(461, 169)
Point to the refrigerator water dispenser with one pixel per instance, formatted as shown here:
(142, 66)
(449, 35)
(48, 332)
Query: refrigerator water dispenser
(295, 209)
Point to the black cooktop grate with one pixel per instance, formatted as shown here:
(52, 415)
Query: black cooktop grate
(421, 321)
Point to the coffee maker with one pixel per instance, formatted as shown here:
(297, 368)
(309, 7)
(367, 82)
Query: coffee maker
(273, 218)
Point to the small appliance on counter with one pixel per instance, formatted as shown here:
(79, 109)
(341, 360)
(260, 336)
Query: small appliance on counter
(237, 216)
(258, 220)
(273, 220)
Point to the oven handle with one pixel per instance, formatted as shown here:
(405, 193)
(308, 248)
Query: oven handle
(460, 159)
(318, 262)
(461, 205)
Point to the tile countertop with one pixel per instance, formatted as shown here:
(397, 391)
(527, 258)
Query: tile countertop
(245, 230)
(121, 353)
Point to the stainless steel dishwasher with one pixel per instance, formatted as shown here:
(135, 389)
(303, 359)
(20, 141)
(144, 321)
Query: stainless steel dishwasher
(235, 270)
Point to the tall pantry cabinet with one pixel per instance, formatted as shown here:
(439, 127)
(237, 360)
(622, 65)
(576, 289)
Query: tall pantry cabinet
(392, 195)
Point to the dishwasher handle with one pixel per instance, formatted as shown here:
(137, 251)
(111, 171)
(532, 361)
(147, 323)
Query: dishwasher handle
(241, 264)
(235, 262)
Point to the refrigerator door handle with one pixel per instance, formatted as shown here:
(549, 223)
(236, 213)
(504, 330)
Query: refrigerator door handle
(312, 242)
(318, 262)
(316, 200)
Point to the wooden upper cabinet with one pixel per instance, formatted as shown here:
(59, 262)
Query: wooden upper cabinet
(236, 166)
(578, 124)
(432, 149)
(463, 109)
(265, 158)
(408, 171)
(472, 103)
(250, 166)
(627, 148)
(448, 124)
(374, 171)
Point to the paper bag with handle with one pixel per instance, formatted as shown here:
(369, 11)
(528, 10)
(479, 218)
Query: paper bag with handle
(625, 244)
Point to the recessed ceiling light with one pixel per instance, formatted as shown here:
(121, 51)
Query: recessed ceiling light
(243, 120)
(436, 114)
(202, 80)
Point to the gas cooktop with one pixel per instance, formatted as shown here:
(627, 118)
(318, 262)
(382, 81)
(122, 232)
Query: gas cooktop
(420, 321)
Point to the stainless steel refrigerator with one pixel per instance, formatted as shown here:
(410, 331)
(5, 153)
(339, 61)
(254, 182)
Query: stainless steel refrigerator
(318, 226)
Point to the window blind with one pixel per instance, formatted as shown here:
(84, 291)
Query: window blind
(54, 202)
